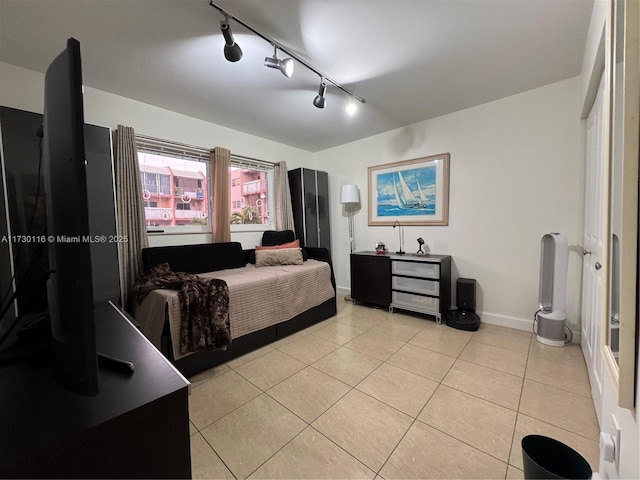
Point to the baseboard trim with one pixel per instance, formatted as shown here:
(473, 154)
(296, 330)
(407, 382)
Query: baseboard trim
(506, 321)
(343, 291)
(525, 324)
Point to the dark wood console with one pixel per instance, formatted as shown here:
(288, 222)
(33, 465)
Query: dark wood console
(371, 278)
(136, 427)
(418, 283)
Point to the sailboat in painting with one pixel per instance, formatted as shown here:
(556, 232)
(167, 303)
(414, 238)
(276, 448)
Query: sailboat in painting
(406, 198)
(423, 198)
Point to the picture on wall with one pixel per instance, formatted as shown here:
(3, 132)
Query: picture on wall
(412, 192)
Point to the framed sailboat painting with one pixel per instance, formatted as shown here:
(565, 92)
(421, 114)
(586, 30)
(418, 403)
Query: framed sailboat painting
(411, 192)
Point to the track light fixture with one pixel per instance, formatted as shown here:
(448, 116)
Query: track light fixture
(351, 107)
(285, 66)
(320, 101)
(232, 51)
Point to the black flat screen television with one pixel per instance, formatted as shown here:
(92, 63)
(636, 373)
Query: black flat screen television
(70, 286)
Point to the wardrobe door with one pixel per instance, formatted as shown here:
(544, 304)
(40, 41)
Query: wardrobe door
(297, 205)
(102, 214)
(322, 197)
(310, 208)
(26, 206)
(21, 157)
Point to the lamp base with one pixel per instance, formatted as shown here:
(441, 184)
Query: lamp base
(400, 252)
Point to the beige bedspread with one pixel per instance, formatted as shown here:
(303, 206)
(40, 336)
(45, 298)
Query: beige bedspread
(258, 298)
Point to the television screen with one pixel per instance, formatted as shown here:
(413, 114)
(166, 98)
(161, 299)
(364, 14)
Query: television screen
(70, 285)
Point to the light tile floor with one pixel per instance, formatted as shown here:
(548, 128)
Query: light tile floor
(369, 394)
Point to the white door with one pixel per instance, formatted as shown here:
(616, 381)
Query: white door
(593, 245)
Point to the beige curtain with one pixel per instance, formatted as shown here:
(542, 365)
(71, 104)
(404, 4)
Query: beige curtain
(220, 214)
(130, 209)
(283, 210)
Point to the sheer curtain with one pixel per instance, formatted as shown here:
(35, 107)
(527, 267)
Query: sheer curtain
(130, 222)
(283, 210)
(220, 211)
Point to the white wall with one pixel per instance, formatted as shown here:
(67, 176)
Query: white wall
(516, 174)
(23, 89)
(515, 171)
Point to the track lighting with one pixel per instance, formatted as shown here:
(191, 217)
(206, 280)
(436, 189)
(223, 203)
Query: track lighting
(351, 107)
(320, 101)
(232, 51)
(285, 66)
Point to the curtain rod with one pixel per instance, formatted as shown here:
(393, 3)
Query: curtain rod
(251, 159)
(147, 138)
(185, 146)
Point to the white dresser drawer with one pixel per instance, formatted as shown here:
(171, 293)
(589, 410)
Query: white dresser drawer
(416, 285)
(415, 302)
(416, 269)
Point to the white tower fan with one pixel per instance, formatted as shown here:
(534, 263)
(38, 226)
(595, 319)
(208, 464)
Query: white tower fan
(550, 318)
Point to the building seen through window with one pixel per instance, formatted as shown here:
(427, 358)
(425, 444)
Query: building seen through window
(174, 191)
(249, 196)
(177, 193)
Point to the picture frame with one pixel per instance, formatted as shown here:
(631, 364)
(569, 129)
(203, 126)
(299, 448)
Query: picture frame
(410, 192)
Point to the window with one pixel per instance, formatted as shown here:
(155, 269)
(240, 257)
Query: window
(251, 198)
(176, 189)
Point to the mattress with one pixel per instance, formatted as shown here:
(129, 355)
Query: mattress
(258, 298)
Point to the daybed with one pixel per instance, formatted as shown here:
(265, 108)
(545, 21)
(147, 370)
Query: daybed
(265, 303)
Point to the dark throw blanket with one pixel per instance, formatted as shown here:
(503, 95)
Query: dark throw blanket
(204, 306)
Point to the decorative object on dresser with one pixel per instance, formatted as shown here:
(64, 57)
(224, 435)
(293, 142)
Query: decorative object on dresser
(349, 197)
(415, 192)
(420, 244)
(310, 205)
(400, 237)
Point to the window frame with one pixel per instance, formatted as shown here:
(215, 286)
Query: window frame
(180, 151)
(238, 161)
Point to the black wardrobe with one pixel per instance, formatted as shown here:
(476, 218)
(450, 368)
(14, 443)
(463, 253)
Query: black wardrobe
(310, 203)
(21, 162)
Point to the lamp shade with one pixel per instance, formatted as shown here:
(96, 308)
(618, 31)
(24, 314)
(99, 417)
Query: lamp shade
(349, 194)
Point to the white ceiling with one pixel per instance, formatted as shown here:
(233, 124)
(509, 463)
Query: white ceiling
(410, 59)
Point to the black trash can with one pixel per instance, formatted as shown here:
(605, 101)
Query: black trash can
(544, 457)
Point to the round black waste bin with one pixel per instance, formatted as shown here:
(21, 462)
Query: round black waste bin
(544, 457)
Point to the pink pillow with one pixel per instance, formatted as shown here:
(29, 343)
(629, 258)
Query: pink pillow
(294, 244)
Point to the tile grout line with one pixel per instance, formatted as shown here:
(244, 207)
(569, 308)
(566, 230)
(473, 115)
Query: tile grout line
(558, 388)
(506, 462)
(419, 413)
(564, 429)
(309, 425)
(217, 455)
(471, 339)
(515, 425)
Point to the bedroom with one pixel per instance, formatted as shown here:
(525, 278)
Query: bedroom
(517, 168)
